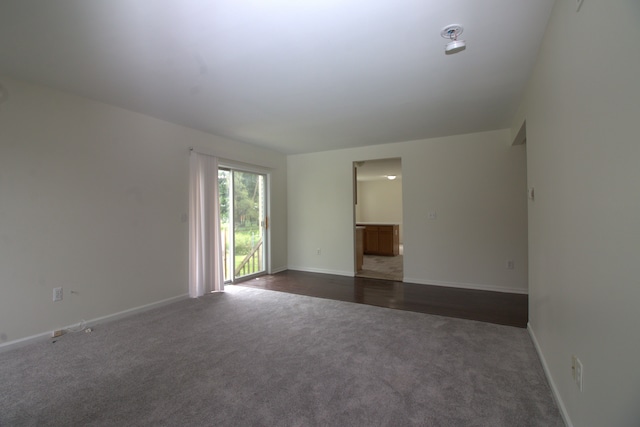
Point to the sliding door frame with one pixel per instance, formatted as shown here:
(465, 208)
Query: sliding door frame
(264, 222)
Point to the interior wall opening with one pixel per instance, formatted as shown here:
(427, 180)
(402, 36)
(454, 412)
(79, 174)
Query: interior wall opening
(378, 219)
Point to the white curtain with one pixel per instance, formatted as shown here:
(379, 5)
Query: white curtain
(205, 244)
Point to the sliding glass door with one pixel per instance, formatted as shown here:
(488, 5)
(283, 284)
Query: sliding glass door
(242, 222)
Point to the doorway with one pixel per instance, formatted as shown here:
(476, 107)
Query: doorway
(378, 219)
(243, 223)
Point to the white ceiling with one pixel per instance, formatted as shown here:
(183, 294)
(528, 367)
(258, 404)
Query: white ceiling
(379, 169)
(293, 75)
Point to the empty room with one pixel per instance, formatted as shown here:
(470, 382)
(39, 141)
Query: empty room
(488, 150)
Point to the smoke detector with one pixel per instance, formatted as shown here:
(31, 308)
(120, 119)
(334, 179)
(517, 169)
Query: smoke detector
(452, 32)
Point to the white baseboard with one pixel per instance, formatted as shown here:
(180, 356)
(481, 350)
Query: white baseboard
(278, 270)
(547, 373)
(476, 286)
(135, 310)
(323, 271)
(10, 345)
(108, 318)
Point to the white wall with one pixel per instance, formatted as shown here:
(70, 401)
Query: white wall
(380, 201)
(582, 109)
(92, 199)
(476, 183)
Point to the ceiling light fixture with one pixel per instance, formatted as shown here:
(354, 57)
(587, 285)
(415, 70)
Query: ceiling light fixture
(452, 32)
(391, 177)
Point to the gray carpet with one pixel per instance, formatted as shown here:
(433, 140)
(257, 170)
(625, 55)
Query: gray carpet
(250, 357)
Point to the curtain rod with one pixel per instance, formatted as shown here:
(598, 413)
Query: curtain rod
(249, 167)
(199, 151)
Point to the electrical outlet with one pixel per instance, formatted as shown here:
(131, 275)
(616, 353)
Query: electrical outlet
(57, 294)
(510, 264)
(432, 215)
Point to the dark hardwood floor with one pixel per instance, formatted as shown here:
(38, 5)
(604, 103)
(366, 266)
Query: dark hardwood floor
(494, 307)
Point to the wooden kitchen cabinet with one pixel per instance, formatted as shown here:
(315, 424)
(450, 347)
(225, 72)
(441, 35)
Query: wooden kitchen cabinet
(381, 239)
